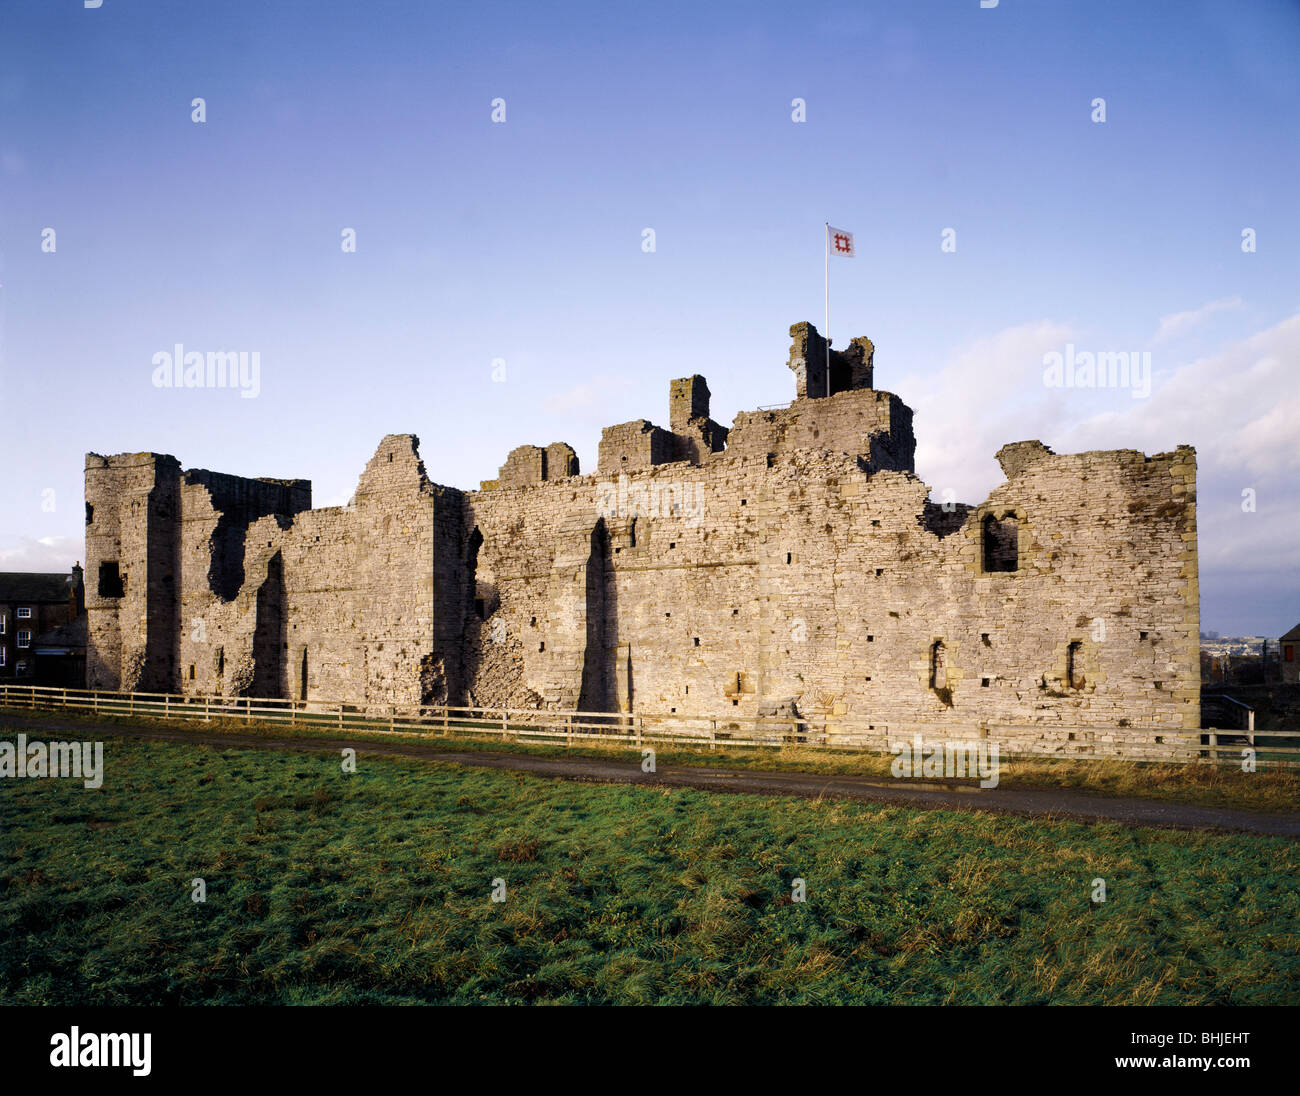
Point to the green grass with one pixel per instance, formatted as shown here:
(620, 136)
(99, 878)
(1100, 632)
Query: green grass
(374, 887)
(1269, 789)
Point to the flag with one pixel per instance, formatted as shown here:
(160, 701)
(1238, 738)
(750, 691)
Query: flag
(841, 243)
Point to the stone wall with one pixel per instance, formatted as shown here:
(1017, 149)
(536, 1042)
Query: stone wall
(793, 565)
(850, 369)
(335, 603)
(133, 571)
(815, 583)
(876, 426)
(633, 446)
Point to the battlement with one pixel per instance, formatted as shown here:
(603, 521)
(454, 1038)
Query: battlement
(849, 369)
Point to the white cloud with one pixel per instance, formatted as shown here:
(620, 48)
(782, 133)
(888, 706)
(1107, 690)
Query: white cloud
(1239, 407)
(991, 392)
(40, 553)
(586, 396)
(1179, 323)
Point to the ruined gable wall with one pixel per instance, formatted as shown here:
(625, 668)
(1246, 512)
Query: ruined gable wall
(395, 556)
(350, 588)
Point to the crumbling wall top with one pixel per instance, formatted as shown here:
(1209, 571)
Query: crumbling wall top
(850, 369)
(531, 464)
(396, 465)
(629, 446)
(1016, 456)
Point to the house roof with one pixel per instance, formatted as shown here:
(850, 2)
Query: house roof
(72, 635)
(1293, 635)
(35, 586)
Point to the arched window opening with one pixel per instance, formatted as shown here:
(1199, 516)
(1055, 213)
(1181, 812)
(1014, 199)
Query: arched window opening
(938, 665)
(1001, 543)
(1074, 666)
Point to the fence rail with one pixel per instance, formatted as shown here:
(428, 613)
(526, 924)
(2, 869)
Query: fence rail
(1219, 703)
(637, 730)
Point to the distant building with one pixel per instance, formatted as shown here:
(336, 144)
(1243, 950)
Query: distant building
(43, 628)
(1290, 662)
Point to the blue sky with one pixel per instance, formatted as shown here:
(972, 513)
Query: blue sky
(522, 241)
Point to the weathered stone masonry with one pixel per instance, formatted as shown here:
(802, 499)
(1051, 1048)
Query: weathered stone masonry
(791, 564)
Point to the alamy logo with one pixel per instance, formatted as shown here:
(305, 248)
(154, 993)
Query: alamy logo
(179, 368)
(76, 1048)
(651, 500)
(958, 759)
(82, 761)
(1105, 369)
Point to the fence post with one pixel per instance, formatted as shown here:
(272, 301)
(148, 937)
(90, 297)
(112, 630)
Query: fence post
(713, 735)
(167, 705)
(1214, 746)
(640, 730)
(392, 719)
(446, 721)
(340, 717)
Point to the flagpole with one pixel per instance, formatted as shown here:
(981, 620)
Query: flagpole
(828, 308)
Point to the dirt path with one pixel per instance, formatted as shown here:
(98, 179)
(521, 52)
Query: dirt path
(1027, 802)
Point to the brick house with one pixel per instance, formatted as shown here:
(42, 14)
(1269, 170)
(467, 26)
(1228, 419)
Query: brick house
(39, 614)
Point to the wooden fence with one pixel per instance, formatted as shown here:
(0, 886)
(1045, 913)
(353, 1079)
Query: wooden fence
(638, 730)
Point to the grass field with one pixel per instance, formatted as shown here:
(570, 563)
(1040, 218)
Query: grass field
(375, 887)
(1270, 788)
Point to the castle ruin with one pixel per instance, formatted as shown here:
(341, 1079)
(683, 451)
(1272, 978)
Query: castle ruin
(789, 564)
